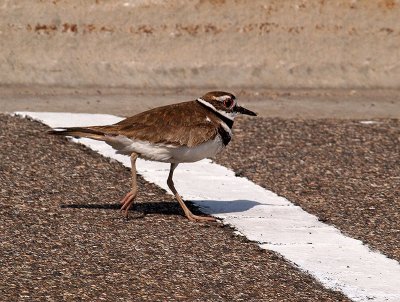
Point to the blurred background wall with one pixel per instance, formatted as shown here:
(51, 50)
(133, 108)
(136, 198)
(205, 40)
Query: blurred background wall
(214, 43)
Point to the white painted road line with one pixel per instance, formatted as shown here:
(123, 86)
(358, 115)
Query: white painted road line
(339, 262)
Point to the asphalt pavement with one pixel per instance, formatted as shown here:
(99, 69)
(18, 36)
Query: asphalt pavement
(63, 237)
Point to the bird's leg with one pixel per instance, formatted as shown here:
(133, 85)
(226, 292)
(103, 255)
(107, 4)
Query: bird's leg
(129, 198)
(188, 213)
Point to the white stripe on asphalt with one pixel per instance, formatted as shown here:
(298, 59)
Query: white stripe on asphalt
(339, 262)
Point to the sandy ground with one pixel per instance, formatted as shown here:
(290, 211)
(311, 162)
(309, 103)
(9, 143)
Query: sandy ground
(201, 43)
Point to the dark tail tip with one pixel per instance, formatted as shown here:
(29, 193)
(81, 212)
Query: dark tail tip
(57, 131)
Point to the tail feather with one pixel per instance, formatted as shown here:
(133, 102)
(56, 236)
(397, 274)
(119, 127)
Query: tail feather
(79, 132)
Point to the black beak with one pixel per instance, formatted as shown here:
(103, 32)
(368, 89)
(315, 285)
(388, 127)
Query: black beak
(242, 110)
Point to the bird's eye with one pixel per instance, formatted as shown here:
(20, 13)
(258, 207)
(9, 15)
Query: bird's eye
(228, 103)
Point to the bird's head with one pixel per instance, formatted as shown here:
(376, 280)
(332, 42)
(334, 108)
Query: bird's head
(224, 103)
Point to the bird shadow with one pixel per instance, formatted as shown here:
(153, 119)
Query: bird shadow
(226, 206)
(152, 207)
(173, 208)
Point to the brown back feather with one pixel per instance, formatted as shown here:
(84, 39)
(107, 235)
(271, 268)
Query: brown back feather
(178, 124)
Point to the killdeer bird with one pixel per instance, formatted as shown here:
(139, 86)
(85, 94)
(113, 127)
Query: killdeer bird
(177, 133)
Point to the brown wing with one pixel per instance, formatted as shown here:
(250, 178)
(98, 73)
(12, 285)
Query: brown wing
(178, 124)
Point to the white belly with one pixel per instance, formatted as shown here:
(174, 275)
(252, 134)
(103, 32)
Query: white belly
(166, 153)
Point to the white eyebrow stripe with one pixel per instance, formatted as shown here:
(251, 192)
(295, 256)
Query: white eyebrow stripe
(222, 97)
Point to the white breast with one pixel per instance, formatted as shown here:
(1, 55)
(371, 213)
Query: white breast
(166, 153)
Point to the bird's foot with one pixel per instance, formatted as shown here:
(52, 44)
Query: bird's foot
(127, 202)
(196, 218)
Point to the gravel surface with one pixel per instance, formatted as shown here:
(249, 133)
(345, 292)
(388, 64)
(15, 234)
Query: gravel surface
(63, 238)
(345, 172)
